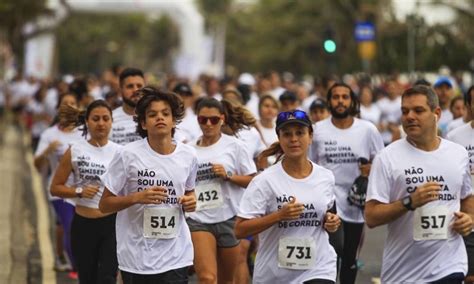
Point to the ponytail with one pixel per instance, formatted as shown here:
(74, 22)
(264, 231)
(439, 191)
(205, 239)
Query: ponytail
(274, 150)
(237, 117)
(71, 116)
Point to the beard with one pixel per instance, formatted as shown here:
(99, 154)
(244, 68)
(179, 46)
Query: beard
(336, 114)
(129, 102)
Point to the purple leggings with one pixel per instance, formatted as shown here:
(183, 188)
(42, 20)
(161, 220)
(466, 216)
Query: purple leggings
(65, 213)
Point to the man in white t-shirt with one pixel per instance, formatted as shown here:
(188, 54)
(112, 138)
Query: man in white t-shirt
(421, 187)
(339, 142)
(464, 135)
(124, 129)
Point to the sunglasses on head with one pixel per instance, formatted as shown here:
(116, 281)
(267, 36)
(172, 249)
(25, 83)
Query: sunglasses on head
(296, 114)
(213, 119)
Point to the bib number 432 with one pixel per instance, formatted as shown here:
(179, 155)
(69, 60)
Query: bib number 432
(160, 223)
(209, 196)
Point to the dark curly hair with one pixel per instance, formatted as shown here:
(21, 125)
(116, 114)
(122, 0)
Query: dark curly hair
(152, 94)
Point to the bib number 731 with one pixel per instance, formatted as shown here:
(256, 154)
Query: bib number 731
(430, 223)
(160, 223)
(296, 253)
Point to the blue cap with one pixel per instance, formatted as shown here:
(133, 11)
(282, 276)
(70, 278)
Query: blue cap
(443, 81)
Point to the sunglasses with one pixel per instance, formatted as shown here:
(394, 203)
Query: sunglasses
(296, 114)
(203, 119)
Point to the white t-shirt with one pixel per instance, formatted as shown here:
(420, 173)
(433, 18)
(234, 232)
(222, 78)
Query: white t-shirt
(266, 194)
(252, 140)
(230, 152)
(269, 134)
(37, 108)
(396, 172)
(66, 139)
(88, 164)
(252, 104)
(371, 113)
(391, 113)
(456, 123)
(464, 136)
(339, 150)
(138, 167)
(124, 129)
(444, 121)
(188, 130)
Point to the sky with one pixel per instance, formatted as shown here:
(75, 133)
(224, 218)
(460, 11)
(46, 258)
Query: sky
(433, 14)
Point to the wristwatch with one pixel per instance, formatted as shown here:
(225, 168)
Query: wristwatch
(79, 192)
(229, 174)
(406, 201)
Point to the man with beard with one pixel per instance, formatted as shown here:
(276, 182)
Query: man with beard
(124, 129)
(339, 142)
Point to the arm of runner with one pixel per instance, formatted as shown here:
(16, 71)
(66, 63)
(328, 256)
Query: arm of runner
(247, 227)
(111, 203)
(463, 223)
(242, 181)
(42, 159)
(331, 222)
(188, 201)
(378, 213)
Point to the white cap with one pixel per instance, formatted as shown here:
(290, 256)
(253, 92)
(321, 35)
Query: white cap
(246, 79)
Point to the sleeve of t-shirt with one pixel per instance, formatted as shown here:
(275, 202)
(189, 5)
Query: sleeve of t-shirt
(42, 144)
(379, 181)
(254, 201)
(245, 165)
(115, 176)
(191, 181)
(376, 142)
(466, 189)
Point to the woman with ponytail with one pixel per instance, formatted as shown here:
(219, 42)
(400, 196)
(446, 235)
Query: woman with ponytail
(53, 142)
(224, 171)
(92, 232)
(288, 206)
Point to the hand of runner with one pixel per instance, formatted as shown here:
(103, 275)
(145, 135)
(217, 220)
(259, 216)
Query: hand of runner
(90, 191)
(462, 224)
(53, 146)
(291, 210)
(152, 195)
(365, 170)
(331, 222)
(425, 193)
(219, 170)
(188, 202)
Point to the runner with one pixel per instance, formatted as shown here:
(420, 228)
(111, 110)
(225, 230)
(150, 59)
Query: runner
(92, 232)
(339, 143)
(287, 205)
(224, 170)
(464, 135)
(149, 183)
(53, 143)
(124, 129)
(421, 187)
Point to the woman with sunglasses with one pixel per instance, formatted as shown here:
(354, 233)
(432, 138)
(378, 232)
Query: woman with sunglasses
(224, 170)
(288, 206)
(92, 232)
(150, 183)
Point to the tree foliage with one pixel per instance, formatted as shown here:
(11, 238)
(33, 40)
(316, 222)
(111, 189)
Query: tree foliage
(93, 42)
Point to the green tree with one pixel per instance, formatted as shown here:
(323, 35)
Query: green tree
(14, 14)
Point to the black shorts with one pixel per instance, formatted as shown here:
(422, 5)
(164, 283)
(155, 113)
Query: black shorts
(223, 232)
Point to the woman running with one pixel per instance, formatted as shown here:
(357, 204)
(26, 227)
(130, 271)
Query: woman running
(288, 206)
(224, 170)
(92, 232)
(150, 183)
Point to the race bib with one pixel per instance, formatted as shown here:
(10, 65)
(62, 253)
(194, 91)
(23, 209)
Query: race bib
(296, 253)
(209, 196)
(161, 223)
(430, 223)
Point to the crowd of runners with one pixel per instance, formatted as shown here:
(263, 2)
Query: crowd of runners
(151, 181)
